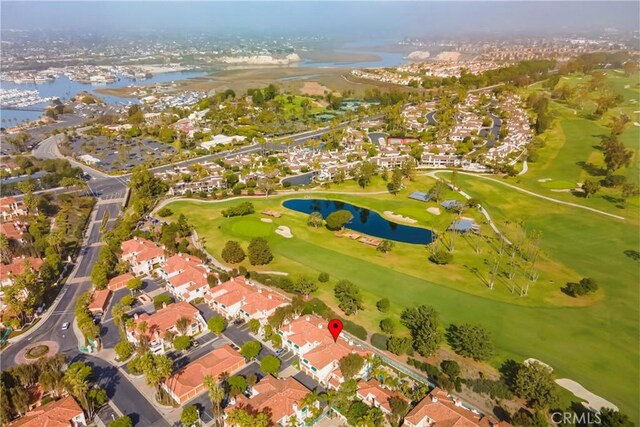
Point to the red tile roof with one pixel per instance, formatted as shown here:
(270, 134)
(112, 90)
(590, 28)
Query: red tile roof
(166, 318)
(189, 379)
(141, 250)
(253, 299)
(443, 412)
(13, 230)
(313, 330)
(7, 201)
(99, 300)
(17, 266)
(372, 391)
(120, 281)
(54, 414)
(181, 262)
(278, 396)
(186, 270)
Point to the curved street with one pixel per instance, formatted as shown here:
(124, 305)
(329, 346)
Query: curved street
(110, 192)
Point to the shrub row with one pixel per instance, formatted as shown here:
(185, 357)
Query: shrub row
(432, 371)
(494, 388)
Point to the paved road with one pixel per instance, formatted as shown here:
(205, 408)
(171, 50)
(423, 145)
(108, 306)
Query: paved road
(77, 284)
(110, 190)
(122, 393)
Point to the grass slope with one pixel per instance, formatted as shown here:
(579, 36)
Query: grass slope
(595, 345)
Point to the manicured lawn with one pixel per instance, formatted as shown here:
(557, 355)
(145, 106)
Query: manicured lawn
(595, 345)
(572, 154)
(251, 227)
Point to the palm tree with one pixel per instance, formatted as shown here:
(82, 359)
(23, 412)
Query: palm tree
(118, 312)
(77, 383)
(216, 395)
(182, 324)
(5, 254)
(143, 338)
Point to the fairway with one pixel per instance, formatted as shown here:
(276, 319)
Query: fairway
(250, 228)
(572, 149)
(595, 344)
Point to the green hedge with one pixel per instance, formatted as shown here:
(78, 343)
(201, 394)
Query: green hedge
(379, 341)
(431, 370)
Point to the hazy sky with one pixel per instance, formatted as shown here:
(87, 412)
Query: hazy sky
(384, 19)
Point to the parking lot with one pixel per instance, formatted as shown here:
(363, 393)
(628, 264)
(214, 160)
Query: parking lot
(119, 153)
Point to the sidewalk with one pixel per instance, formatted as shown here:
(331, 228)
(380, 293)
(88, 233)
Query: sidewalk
(172, 415)
(65, 287)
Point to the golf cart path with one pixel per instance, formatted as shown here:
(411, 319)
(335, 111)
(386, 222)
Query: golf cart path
(531, 193)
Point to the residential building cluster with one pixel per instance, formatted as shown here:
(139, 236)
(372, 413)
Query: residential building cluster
(386, 76)
(413, 73)
(518, 130)
(446, 69)
(13, 226)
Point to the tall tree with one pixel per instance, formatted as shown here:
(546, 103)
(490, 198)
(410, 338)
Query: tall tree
(616, 154)
(216, 395)
(349, 297)
(399, 408)
(190, 416)
(363, 173)
(134, 285)
(590, 187)
(351, 365)
(76, 378)
(315, 220)
(182, 325)
(305, 286)
(535, 383)
(470, 341)
(423, 323)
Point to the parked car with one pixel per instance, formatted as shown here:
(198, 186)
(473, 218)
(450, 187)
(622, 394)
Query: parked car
(238, 322)
(235, 347)
(65, 326)
(280, 351)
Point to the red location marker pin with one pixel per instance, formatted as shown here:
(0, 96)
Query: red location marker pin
(335, 327)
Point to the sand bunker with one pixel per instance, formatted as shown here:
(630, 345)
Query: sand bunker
(636, 124)
(284, 231)
(434, 211)
(266, 220)
(593, 401)
(545, 179)
(531, 360)
(400, 217)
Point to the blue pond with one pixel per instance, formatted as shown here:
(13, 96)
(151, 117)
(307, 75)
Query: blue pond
(364, 220)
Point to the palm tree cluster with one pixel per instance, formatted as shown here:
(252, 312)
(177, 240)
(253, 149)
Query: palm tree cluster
(56, 378)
